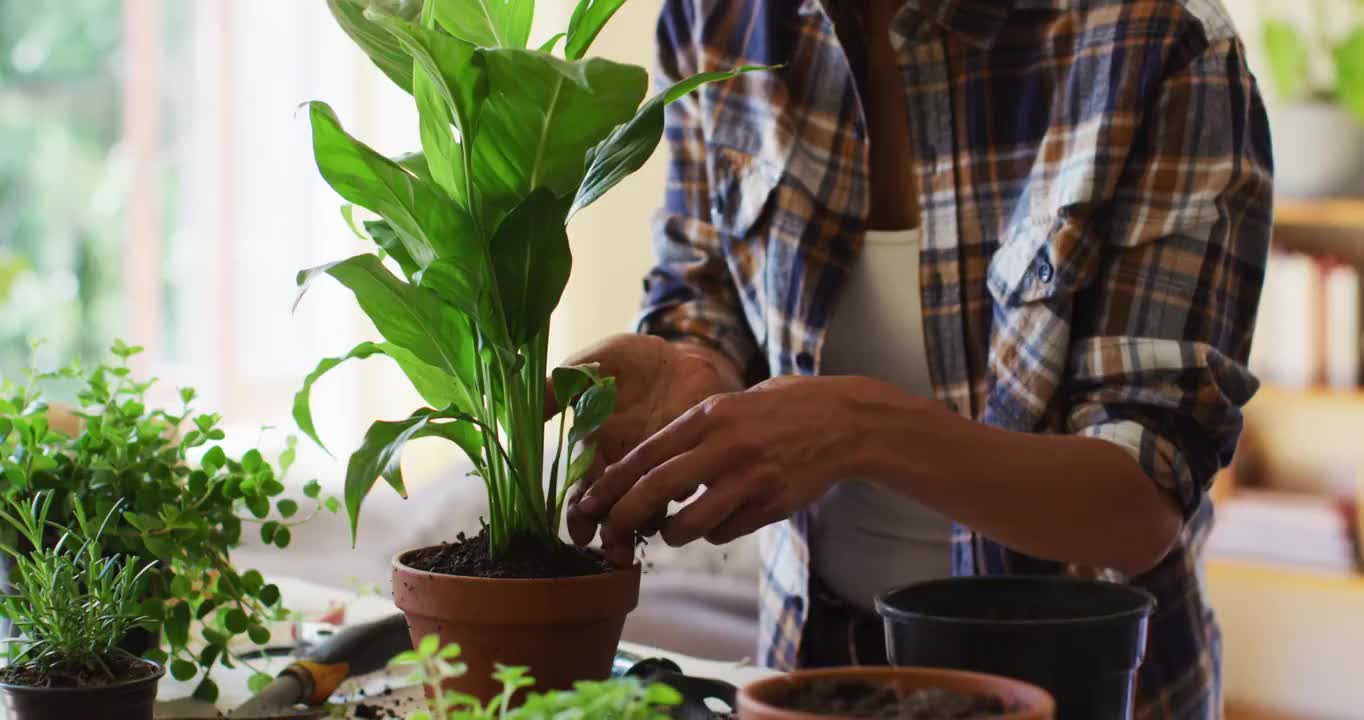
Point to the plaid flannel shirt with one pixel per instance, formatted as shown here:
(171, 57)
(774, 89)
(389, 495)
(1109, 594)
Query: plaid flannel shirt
(1095, 183)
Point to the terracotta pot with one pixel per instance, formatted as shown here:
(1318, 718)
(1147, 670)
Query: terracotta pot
(132, 700)
(563, 629)
(758, 700)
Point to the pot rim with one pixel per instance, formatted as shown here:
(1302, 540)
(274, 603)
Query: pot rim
(399, 565)
(1147, 604)
(1044, 702)
(150, 679)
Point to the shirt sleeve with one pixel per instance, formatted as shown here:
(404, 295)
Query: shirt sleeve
(1161, 339)
(689, 294)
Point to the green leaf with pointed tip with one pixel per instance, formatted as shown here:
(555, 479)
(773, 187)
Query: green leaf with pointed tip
(380, 46)
(487, 23)
(548, 113)
(449, 86)
(631, 144)
(429, 224)
(410, 317)
(592, 409)
(380, 453)
(588, 19)
(435, 386)
(207, 691)
(531, 260)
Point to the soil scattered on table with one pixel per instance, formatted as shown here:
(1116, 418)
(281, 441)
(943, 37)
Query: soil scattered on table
(524, 557)
(126, 669)
(888, 703)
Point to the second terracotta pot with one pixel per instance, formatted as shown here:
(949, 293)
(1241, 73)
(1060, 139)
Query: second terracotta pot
(563, 629)
(761, 700)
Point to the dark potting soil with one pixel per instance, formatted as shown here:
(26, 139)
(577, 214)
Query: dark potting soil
(125, 669)
(524, 557)
(888, 703)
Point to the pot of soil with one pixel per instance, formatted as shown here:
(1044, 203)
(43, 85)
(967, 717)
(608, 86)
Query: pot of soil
(1081, 640)
(27, 694)
(902, 693)
(557, 609)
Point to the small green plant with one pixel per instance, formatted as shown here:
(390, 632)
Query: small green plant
(182, 501)
(513, 142)
(72, 603)
(617, 699)
(1293, 54)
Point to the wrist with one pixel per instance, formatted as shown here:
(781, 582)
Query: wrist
(887, 426)
(725, 369)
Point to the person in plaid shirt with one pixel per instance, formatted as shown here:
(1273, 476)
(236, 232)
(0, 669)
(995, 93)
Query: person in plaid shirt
(1086, 187)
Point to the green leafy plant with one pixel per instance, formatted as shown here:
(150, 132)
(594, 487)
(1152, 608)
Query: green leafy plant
(72, 603)
(182, 501)
(617, 699)
(1291, 59)
(513, 142)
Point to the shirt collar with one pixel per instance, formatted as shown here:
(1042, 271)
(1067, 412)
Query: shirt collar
(979, 22)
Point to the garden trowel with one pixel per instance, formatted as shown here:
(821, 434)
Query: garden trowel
(302, 687)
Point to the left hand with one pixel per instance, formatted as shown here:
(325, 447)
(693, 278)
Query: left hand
(760, 454)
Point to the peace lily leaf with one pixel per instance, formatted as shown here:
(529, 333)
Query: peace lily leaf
(570, 381)
(588, 19)
(384, 236)
(631, 144)
(531, 260)
(380, 453)
(380, 46)
(429, 224)
(449, 86)
(487, 23)
(408, 316)
(435, 386)
(592, 409)
(552, 42)
(544, 114)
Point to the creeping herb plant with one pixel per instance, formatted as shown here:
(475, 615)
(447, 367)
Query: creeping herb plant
(619, 699)
(513, 142)
(183, 504)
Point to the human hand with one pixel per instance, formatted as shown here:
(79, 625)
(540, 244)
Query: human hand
(656, 381)
(760, 454)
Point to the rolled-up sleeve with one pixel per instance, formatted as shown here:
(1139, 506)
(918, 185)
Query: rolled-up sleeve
(1161, 339)
(689, 293)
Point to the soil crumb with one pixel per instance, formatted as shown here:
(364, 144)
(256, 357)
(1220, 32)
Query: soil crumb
(524, 557)
(887, 703)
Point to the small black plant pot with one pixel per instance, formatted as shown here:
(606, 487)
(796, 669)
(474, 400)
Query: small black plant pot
(1081, 640)
(132, 700)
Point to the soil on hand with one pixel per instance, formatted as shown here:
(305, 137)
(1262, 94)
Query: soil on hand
(125, 669)
(867, 701)
(524, 557)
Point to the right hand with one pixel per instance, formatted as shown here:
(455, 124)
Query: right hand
(656, 381)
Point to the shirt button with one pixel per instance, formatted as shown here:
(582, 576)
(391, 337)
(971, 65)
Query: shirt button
(806, 362)
(717, 207)
(1045, 271)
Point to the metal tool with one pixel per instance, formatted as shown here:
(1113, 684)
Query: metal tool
(694, 691)
(354, 650)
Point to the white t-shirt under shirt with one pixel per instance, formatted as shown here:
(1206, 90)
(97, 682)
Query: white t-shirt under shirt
(865, 539)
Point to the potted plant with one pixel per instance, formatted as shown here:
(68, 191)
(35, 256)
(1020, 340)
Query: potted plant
(434, 666)
(471, 257)
(183, 502)
(885, 692)
(1318, 78)
(73, 604)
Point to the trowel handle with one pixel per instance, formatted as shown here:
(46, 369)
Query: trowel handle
(353, 650)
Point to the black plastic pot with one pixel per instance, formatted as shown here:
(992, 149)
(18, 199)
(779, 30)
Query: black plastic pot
(1081, 640)
(132, 700)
